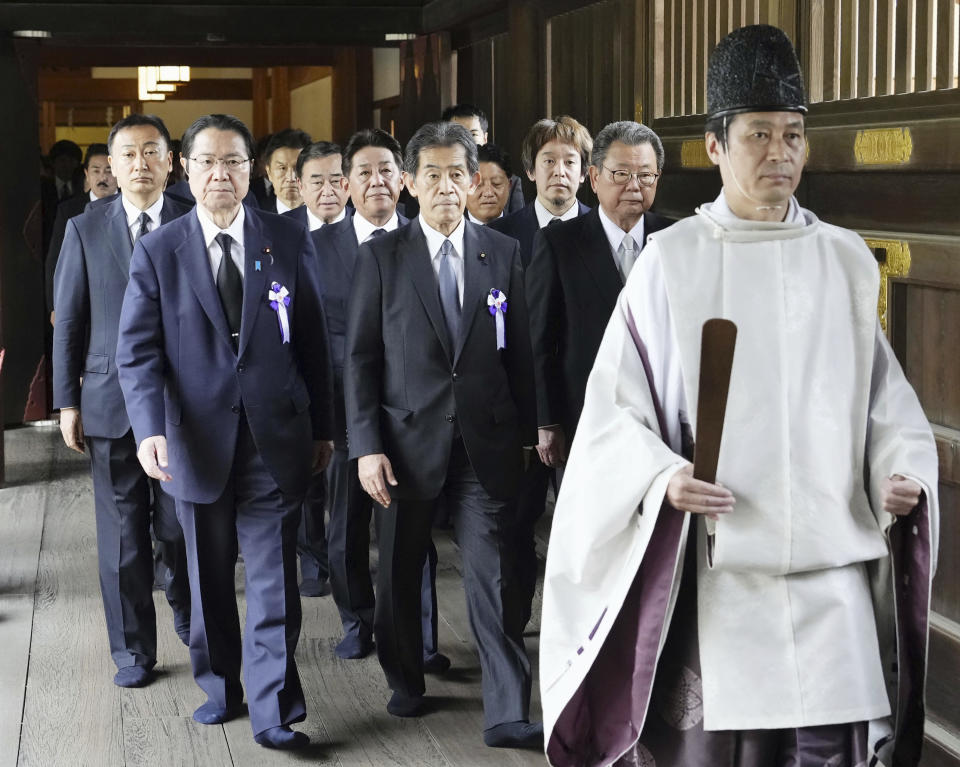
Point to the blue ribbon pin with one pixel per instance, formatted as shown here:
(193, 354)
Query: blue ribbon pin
(256, 265)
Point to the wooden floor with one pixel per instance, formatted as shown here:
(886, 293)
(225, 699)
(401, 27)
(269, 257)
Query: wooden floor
(59, 706)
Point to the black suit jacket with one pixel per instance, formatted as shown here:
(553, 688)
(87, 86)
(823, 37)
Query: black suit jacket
(572, 284)
(336, 246)
(523, 227)
(406, 387)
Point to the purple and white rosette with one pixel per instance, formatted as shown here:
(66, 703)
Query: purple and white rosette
(497, 306)
(280, 301)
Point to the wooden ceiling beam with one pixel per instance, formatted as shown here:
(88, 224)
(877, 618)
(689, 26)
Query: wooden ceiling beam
(113, 90)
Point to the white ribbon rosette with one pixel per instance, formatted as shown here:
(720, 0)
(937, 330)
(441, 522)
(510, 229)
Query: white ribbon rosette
(497, 306)
(279, 298)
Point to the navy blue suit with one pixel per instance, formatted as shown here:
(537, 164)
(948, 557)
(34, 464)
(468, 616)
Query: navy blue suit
(239, 427)
(523, 226)
(452, 416)
(91, 276)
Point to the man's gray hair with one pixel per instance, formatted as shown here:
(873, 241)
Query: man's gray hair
(440, 134)
(626, 132)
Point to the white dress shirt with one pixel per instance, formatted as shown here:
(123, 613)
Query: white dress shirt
(363, 228)
(615, 234)
(315, 223)
(544, 216)
(435, 242)
(214, 251)
(92, 196)
(133, 216)
(281, 207)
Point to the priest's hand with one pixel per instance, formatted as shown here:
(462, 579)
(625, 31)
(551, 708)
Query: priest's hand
(899, 495)
(322, 452)
(376, 472)
(71, 427)
(685, 493)
(552, 446)
(152, 455)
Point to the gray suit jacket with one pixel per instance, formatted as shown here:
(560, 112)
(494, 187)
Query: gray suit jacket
(89, 283)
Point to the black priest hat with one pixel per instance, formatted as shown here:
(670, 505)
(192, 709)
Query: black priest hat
(754, 69)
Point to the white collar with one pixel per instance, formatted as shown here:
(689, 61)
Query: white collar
(722, 208)
(315, 222)
(544, 216)
(615, 234)
(363, 228)
(435, 239)
(133, 212)
(211, 230)
(92, 196)
(282, 207)
(474, 220)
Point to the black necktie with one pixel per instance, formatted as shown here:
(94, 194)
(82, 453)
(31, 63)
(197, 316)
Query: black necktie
(144, 227)
(376, 233)
(554, 220)
(230, 287)
(65, 191)
(449, 293)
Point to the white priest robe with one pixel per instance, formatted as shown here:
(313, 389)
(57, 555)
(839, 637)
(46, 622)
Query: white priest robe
(796, 585)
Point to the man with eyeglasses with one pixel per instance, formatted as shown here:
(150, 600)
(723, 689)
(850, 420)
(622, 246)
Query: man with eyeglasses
(89, 281)
(577, 270)
(224, 365)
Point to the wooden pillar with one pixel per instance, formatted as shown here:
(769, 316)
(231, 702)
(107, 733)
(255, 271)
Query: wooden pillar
(364, 90)
(22, 315)
(260, 89)
(344, 93)
(527, 76)
(279, 98)
(48, 125)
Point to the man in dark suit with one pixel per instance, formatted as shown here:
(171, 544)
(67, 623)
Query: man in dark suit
(280, 163)
(577, 271)
(318, 174)
(439, 395)
(555, 155)
(226, 373)
(64, 183)
(91, 276)
(319, 177)
(100, 184)
(372, 177)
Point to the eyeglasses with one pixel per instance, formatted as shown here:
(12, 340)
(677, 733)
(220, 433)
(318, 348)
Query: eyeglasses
(207, 162)
(622, 177)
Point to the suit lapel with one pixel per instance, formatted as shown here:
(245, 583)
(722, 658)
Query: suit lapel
(118, 236)
(476, 275)
(193, 259)
(255, 246)
(595, 252)
(416, 257)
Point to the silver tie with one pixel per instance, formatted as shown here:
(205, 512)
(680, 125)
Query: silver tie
(627, 256)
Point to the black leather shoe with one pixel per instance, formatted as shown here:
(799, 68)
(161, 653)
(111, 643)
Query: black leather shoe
(282, 738)
(515, 735)
(405, 705)
(436, 664)
(352, 647)
(311, 587)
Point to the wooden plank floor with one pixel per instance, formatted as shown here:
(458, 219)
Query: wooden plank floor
(58, 703)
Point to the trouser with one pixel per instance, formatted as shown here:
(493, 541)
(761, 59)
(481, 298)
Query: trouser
(311, 532)
(480, 525)
(254, 514)
(348, 542)
(124, 509)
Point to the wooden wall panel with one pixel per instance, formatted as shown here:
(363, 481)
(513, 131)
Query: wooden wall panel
(946, 586)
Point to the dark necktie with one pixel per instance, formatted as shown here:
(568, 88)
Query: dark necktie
(376, 233)
(144, 227)
(449, 294)
(230, 287)
(65, 191)
(554, 220)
